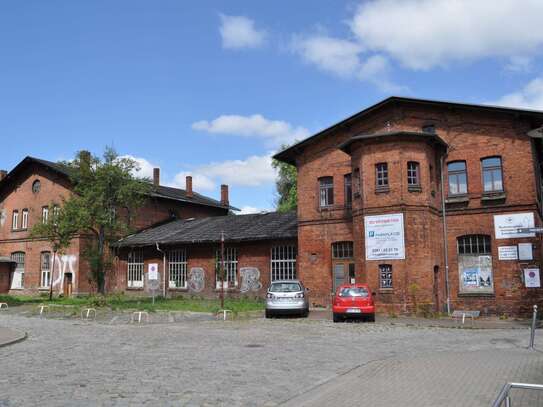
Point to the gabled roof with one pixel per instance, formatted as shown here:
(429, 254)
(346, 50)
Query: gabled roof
(161, 192)
(236, 228)
(288, 155)
(346, 145)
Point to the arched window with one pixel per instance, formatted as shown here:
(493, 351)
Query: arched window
(458, 178)
(492, 174)
(36, 186)
(326, 191)
(475, 264)
(17, 281)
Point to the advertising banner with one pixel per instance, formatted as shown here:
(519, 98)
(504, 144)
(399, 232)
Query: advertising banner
(384, 237)
(506, 226)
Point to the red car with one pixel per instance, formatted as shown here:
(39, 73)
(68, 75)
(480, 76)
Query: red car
(353, 300)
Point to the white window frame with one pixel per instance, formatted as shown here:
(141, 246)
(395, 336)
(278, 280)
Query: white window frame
(45, 270)
(177, 268)
(15, 220)
(44, 214)
(135, 269)
(24, 219)
(18, 275)
(230, 267)
(283, 262)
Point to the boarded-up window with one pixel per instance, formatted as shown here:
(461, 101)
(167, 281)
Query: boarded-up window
(475, 264)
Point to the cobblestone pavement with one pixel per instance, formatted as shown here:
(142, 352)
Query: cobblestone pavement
(259, 362)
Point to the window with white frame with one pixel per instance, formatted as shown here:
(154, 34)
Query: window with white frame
(283, 262)
(15, 220)
(135, 269)
(45, 275)
(381, 176)
(385, 276)
(230, 267)
(18, 275)
(326, 191)
(24, 220)
(177, 268)
(44, 214)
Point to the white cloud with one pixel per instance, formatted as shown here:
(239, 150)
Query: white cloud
(423, 34)
(240, 32)
(529, 97)
(519, 64)
(345, 58)
(276, 132)
(246, 210)
(145, 167)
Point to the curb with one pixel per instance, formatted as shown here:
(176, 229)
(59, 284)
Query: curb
(21, 337)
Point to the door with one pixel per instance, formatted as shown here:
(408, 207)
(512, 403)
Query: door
(68, 285)
(339, 275)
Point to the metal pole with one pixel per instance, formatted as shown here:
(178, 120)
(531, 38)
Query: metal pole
(508, 401)
(222, 270)
(51, 276)
(532, 333)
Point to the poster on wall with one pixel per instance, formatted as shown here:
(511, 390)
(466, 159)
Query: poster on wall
(507, 253)
(525, 251)
(152, 271)
(531, 278)
(384, 237)
(475, 274)
(506, 226)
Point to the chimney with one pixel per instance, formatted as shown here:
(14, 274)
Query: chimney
(188, 186)
(3, 174)
(156, 177)
(224, 195)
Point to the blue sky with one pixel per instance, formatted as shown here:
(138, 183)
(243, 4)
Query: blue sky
(212, 88)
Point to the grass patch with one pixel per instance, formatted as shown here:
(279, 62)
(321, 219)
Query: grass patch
(120, 302)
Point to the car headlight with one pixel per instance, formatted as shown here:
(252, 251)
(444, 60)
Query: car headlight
(299, 295)
(270, 296)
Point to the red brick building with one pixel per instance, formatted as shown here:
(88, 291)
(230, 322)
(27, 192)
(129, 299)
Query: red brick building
(33, 185)
(423, 201)
(258, 248)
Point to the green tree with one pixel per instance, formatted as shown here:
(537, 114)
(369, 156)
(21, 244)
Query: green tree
(286, 186)
(106, 195)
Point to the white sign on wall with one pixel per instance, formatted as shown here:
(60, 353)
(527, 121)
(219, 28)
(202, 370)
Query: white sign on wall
(506, 226)
(507, 253)
(384, 237)
(525, 251)
(152, 271)
(531, 278)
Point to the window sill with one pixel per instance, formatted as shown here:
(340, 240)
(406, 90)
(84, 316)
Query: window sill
(178, 288)
(386, 291)
(456, 199)
(414, 188)
(134, 288)
(467, 295)
(382, 190)
(20, 230)
(493, 196)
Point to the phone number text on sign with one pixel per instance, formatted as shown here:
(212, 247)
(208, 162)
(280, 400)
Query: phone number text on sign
(384, 237)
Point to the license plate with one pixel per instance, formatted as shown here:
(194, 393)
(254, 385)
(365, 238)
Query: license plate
(284, 299)
(354, 310)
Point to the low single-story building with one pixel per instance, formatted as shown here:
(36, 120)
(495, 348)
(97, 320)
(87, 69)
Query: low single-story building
(258, 248)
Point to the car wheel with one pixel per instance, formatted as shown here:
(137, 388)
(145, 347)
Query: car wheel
(305, 313)
(371, 317)
(336, 318)
(268, 314)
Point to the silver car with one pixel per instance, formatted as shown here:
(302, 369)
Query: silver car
(287, 297)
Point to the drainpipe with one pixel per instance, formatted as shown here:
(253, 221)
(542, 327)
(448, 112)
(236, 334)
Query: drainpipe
(163, 270)
(445, 242)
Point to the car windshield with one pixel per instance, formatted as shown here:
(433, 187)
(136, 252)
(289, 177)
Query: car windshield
(285, 287)
(353, 292)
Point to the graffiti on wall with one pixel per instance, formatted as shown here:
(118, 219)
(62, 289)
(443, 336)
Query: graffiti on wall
(196, 279)
(250, 279)
(64, 264)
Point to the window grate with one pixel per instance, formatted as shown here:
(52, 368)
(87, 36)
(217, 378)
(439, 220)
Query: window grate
(45, 275)
(474, 244)
(230, 266)
(135, 268)
(385, 276)
(177, 268)
(19, 258)
(342, 250)
(283, 262)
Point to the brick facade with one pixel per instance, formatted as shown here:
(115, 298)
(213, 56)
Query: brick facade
(470, 134)
(18, 195)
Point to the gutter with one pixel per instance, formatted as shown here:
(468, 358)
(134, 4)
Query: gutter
(163, 269)
(445, 241)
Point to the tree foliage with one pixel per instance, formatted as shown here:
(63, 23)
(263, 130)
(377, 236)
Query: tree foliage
(105, 197)
(286, 186)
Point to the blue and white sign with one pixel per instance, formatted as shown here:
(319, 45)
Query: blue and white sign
(506, 226)
(384, 237)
